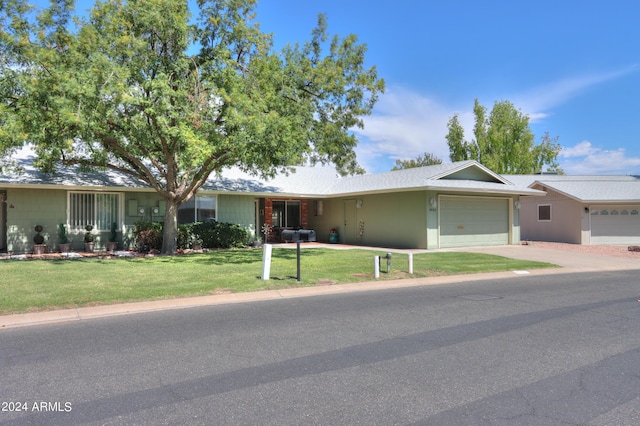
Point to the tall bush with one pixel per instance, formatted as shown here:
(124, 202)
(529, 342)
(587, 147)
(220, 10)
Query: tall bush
(147, 236)
(221, 235)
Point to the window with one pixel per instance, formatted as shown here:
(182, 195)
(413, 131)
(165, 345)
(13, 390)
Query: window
(286, 214)
(99, 209)
(544, 212)
(197, 209)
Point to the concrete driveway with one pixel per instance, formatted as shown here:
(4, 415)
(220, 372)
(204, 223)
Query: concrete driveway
(571, 257)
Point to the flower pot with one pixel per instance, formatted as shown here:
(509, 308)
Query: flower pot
(112, 246)
(64, 248)
(88, 247)
(39, 248)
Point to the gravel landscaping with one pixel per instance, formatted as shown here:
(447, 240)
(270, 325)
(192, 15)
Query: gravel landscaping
(606, 250)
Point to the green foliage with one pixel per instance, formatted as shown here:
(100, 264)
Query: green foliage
(148, 235)
(88, 236)
(146, 89)
(221, 235)
(38, 238)
(427, 159)
(185, 236)
(503, 142)
(62, 234)
(113, 234)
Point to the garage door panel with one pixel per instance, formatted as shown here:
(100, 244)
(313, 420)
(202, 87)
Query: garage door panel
(469, 221)
(615, 225)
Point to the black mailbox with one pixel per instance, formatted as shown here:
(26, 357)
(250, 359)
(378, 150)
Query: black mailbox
(388, 257)
(292, 235)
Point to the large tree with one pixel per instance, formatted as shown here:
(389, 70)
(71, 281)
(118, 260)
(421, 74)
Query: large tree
(144, 88)
(503, 141)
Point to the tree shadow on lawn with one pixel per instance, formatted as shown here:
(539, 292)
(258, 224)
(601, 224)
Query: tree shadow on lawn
(237, 256)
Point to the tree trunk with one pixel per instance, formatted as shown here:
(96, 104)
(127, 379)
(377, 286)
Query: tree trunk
(170, 230)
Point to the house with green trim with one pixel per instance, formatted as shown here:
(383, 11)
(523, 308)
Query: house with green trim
(448, 205)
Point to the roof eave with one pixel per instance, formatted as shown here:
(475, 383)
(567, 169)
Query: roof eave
(485, 191)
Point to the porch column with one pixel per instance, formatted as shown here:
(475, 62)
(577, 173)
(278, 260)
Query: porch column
(304, 220)
(268, 213)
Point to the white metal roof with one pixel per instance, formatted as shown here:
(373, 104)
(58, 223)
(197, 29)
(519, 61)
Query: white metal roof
(465, 176)
(592, 189)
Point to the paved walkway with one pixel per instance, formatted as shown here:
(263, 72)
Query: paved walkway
(569, 262)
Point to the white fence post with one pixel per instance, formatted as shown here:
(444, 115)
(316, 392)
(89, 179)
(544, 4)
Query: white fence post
(266, 261)
(410, 256)
(376, 266)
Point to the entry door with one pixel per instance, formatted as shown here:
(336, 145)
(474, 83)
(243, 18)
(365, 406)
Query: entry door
(349, 230)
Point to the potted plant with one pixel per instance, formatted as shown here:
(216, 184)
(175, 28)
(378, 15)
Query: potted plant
(196, 243)
(112, 245)
(333, 236)
(38, 241)
(88, 239)
(63, 242)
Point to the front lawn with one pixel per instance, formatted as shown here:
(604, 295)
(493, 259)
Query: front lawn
(34, 285)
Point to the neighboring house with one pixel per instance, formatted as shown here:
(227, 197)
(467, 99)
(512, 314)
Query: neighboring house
(581, 209)
(447, 205)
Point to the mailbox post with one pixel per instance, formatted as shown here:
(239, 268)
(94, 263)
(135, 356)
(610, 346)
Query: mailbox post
(388, 258)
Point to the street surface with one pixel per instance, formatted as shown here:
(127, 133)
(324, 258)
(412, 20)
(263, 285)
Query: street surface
(559, 349)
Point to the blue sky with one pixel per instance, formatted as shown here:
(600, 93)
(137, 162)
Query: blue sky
(572, 66)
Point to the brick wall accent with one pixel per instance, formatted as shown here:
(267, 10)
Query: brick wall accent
(304, 221)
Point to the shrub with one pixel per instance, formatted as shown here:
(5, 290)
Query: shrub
(62, 234)
(38, 238)
(185, 236)
(147, 236)
(88, 236)
(220, 235)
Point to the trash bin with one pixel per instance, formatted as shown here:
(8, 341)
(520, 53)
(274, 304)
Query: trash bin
(333, 237)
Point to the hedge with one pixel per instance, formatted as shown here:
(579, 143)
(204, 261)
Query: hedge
(148, 235)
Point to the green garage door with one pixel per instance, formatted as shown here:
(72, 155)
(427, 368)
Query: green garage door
(470, 221)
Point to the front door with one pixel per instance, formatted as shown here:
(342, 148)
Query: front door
(349, 231)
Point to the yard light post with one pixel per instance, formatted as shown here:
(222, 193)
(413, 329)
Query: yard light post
(298, 259)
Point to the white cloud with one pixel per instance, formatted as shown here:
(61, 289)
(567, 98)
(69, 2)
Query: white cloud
(582, 149)
(405, 125)
(542, 98)
(585, 159)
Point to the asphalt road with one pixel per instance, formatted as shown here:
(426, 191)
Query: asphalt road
(539, 350)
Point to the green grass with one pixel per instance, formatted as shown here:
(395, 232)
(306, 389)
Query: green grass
(35, 285)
